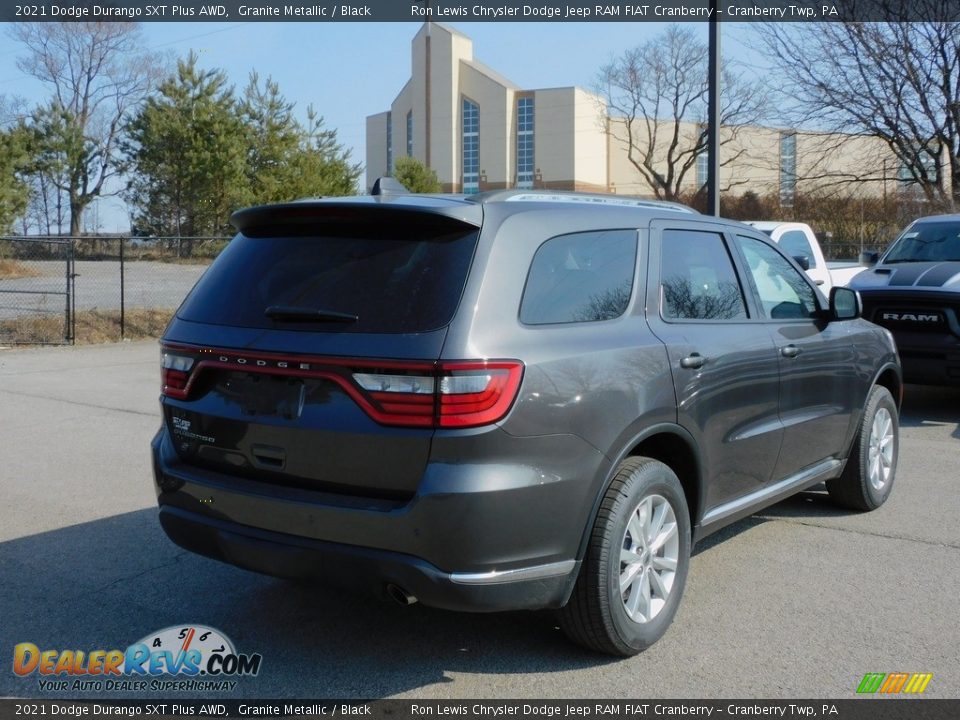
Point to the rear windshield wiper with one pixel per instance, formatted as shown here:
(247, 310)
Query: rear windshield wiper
(291, 313)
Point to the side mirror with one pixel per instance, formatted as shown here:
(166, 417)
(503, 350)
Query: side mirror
(803, 261)
(868, 258)
(845, 304)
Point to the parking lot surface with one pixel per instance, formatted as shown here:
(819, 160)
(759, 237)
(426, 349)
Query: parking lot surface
(799, 601)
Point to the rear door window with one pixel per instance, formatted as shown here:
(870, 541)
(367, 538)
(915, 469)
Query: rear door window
(394, 280)
(581, 277)
(697, 278)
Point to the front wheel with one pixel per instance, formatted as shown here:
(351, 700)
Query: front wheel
(636, 564)
(868, 478)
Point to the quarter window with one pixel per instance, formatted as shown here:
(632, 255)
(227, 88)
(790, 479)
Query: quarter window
(697, 279)
(582, 277)
(784, 292)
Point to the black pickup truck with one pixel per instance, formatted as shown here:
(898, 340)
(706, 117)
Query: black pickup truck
(913, 290)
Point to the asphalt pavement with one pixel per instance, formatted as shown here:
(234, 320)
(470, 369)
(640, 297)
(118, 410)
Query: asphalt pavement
(799, 601)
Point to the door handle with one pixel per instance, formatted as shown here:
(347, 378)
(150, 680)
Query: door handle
(693, 361)
(789, 351)
(266, 456)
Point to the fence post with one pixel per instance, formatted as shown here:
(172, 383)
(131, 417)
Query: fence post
(71, 328)
(122, 294)
(66, 297)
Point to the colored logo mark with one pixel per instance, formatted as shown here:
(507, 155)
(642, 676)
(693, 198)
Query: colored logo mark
(890, 683)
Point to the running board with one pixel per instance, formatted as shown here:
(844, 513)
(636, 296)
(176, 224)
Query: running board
(741, 507)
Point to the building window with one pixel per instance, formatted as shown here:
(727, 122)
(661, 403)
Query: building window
(525, 142)
(703, 169)
(471, 147)
(788, 168)
(410, 134)
(909, 180)
(389, 143)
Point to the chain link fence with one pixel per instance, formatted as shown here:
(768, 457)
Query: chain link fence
(95, 289)
(36, 278)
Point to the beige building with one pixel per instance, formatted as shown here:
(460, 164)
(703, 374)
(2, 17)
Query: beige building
(479, 131)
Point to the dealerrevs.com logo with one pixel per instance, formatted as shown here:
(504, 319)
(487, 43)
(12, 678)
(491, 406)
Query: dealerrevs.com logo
(181, 657)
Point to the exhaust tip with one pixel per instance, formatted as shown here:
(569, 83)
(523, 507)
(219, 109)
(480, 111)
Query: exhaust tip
(399, 595)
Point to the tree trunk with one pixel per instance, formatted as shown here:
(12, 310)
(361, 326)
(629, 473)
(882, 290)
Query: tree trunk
(954, 182)
(76, 217)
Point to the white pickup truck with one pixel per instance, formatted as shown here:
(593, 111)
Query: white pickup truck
(799, 241)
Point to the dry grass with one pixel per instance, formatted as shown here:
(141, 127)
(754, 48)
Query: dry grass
(167, 259)
(11, 270)
(93, 326)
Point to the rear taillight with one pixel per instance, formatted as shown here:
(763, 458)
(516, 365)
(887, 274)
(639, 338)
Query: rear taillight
(477, 393)
(458, 394)
(454, 394)
(175, 367)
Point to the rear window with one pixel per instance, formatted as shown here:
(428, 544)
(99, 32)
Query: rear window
(393, 281)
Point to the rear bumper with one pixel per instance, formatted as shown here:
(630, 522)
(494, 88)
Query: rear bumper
(366, 570)
(475, 537)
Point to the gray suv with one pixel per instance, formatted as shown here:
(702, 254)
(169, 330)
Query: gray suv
(510, 400)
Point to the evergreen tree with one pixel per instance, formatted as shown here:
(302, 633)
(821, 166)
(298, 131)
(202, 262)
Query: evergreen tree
(415, 176)
(187, 153)
(14, 192)
(287, 160)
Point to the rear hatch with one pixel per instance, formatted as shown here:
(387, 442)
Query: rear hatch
(307, 355)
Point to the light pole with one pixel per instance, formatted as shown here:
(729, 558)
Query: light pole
(713, 112)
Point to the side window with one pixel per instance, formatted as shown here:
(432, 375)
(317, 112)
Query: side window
(697, 279)
(794, 243)
(784, 292)
(582, 277)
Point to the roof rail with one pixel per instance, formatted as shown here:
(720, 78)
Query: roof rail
(596, 199)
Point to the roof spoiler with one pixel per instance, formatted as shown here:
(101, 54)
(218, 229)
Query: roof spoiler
(387, 186)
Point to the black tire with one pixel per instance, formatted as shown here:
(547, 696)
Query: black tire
(854, 488)
(596, 616)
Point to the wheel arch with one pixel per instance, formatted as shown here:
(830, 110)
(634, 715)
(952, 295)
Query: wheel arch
(889, 377)
(674, 447)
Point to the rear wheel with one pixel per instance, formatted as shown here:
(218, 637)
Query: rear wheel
(872, 466)
(636, 564)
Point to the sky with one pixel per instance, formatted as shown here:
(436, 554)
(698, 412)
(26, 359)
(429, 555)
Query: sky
(348, 71)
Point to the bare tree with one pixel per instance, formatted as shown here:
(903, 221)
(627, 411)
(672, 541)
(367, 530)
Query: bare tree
(96, 72)
(896, 81)
(656, 96)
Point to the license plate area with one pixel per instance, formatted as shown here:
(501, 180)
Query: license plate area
(261, 395)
